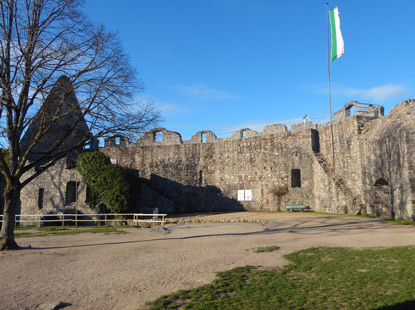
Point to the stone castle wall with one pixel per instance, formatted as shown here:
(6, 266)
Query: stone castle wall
(374, 163)
(347, 167)
(388, 145)
(207, 176)
(54, 184)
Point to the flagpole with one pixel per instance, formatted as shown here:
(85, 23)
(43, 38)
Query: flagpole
(328, 63)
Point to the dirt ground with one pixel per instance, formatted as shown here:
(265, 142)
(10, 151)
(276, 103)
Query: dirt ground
(123, 271)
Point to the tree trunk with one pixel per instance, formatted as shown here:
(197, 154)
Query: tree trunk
(11, 200)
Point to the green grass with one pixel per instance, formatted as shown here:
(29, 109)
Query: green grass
(267, 249)
(369, 216)
(318, 278)
(24, 228)
(59, 231)
(52, 228)
(22, 234)
(400, 222)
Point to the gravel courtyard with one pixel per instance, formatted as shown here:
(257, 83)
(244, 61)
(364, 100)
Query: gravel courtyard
(123, 271)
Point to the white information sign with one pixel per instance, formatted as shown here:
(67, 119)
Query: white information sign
(241, 195)
(244, 195)
(248, 195)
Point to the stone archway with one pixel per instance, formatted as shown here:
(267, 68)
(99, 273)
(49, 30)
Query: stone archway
(382, 199)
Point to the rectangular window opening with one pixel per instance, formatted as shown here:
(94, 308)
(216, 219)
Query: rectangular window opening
(158, 136)
(71, 194)
(295, 178)
(88, 195)
(40, 197)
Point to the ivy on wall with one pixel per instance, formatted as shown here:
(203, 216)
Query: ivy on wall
(107, 182)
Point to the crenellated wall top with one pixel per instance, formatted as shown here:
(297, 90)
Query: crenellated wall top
(162, 136)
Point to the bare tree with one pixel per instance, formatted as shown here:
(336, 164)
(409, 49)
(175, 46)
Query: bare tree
(49, 51)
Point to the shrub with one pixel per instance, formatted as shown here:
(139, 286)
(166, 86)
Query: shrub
(108, 182)
(279, 190)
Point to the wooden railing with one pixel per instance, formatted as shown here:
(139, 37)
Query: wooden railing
(143, 218)
(80, 218)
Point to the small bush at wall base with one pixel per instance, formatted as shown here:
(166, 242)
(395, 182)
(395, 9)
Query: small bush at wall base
(279, 190)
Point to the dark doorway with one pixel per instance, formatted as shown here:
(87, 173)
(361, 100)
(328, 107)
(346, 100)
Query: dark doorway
(295, 178)
(315, 141)
(88, 195)
(382, 199)
(71, 192)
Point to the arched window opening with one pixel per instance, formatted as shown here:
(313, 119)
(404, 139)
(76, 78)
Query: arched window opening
(243, 134)
(350, 111)
(381, 182)
(382, 199)
(203, 137)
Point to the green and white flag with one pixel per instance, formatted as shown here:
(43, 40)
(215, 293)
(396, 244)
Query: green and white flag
(337, 44)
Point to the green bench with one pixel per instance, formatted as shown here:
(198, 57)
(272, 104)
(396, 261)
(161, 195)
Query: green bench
(301, 208)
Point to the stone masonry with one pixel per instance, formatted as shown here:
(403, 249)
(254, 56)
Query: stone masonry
(374, 165)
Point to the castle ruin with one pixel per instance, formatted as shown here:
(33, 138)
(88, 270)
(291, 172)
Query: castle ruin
(373, 173)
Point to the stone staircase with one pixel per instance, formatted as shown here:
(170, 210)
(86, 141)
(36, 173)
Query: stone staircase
(353, 201)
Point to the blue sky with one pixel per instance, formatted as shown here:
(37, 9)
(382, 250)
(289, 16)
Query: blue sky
(222, 65)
